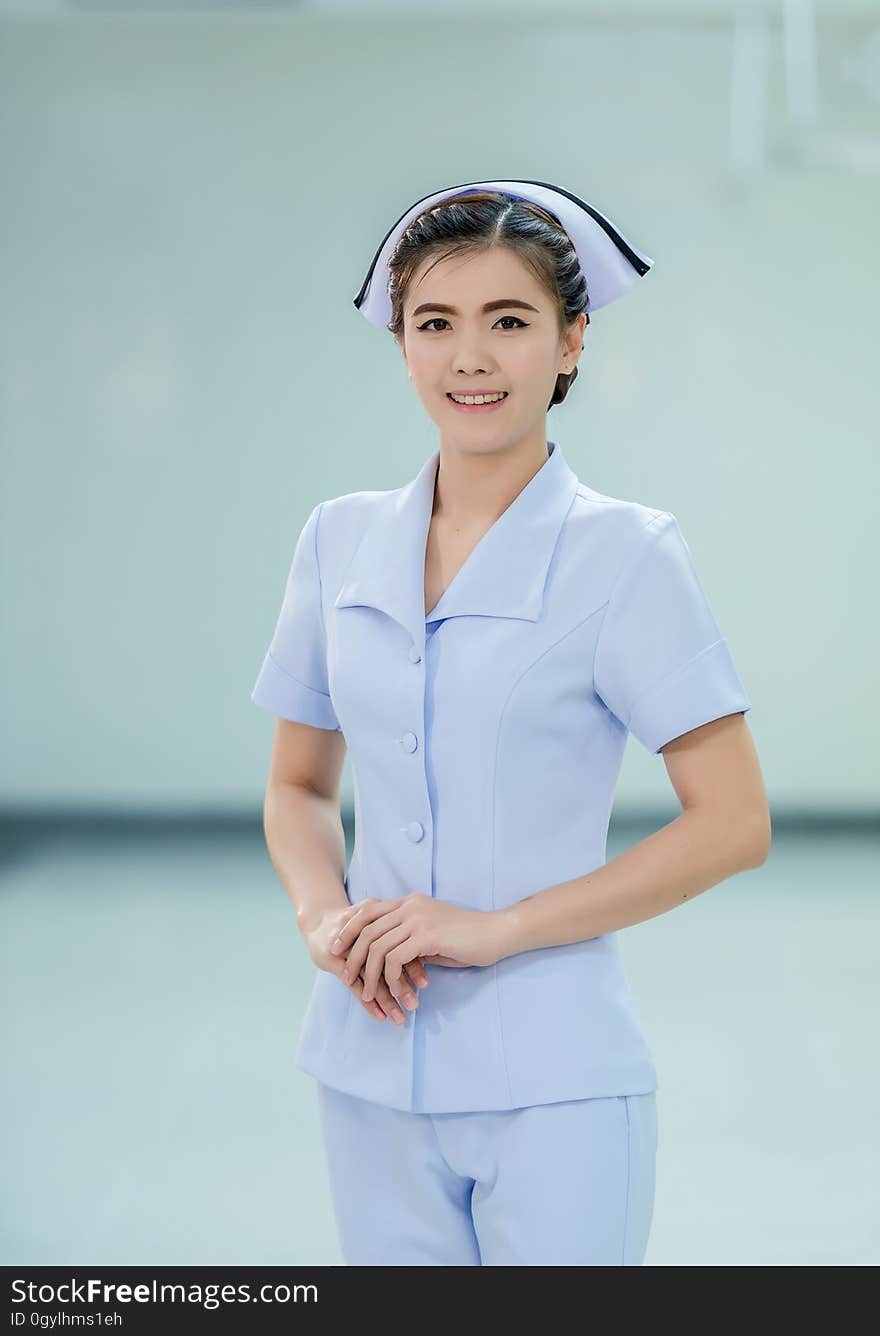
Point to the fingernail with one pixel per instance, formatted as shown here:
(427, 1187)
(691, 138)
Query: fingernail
(337, 944)
(398, 1015)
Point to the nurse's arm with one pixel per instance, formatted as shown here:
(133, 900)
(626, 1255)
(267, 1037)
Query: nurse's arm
(723, 828)
(302, 821)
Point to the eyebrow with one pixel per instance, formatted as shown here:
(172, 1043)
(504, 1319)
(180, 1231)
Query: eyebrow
(503, 303)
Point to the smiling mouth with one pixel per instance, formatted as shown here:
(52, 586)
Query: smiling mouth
(493, 396)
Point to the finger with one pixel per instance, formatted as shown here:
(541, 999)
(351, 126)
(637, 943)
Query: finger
(367, 914)
(398, 959)
(404, 991)
(374, 1009)
(381, 1006)
(375, 965)
(366, 911)
(393, 1006)
(346, 930)
(357, 988)
(363, 943)
(418, 975)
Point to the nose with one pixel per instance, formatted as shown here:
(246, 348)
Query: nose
(470, 365)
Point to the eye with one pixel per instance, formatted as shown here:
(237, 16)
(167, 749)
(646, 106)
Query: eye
(427, 325)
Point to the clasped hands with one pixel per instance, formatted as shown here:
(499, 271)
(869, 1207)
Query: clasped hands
(379, 947)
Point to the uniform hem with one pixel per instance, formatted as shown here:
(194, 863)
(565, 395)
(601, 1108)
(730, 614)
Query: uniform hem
(607, 1087)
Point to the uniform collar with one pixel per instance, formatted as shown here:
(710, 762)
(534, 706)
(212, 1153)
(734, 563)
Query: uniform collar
(504, 575)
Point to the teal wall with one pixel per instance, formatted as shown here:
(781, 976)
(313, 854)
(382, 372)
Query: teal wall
(189, 209)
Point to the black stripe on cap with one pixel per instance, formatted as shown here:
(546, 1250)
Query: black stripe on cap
(608, 228)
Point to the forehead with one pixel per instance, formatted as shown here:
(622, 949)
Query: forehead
(467, 279)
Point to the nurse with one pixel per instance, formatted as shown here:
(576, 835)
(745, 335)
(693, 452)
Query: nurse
(482, 641)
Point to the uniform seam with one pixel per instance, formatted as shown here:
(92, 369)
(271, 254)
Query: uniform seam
(346, 1026)
(318, 514)
(326, 694)
(625, 570)
(297, 680)
(528, 668)
(513, 686)
(586, 493)
(450, 1167)
(641, 550)
(626, 1221)
(498, 1010)
(673, 673)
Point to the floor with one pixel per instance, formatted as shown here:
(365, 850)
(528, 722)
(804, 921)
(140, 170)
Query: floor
(153, 985)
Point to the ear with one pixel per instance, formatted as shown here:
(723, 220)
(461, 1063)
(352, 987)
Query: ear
(573, 343)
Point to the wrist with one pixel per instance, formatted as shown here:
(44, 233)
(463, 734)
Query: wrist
(309, 920)
(325, 899)
(508, 931)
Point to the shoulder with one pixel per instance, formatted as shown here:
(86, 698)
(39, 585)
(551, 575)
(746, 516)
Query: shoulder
(341, 522)
(614, 513)
(353, 507)
(341, 519)
(613, 530)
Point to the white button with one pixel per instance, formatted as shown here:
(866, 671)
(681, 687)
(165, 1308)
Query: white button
(409, 742)
(414, 655)
(414, 831)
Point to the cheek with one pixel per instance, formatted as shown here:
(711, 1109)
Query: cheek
(424, 363)
(528, 366)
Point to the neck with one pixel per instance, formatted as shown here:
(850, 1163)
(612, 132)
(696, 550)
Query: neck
(475, 486)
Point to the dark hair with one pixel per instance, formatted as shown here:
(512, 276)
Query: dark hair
(468, 223)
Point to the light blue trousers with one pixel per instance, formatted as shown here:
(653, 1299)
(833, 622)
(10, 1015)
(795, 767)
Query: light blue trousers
(565, 1184)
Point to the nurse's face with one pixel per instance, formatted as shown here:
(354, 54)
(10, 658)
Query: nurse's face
(481, 323)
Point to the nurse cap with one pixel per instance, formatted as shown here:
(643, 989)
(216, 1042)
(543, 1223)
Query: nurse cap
(610, 264)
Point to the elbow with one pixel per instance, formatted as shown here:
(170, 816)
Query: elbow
(760, 838)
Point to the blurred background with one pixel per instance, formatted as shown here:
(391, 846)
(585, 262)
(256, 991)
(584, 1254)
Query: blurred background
(192, 193)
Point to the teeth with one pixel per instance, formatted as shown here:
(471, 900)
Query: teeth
(477, 398)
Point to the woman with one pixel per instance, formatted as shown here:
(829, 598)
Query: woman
(483, 640)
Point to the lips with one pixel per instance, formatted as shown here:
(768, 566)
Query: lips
(475, 394)
(493, 406)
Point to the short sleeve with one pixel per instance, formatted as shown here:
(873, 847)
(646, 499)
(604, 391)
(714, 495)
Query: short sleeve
(662, 665)
(292, 680)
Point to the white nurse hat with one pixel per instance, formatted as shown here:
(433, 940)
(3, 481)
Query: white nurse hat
(610, 264)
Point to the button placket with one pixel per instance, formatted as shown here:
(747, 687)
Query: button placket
(414, 830)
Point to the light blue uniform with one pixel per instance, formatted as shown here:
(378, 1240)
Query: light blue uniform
(485, 742)
(563, 1184)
